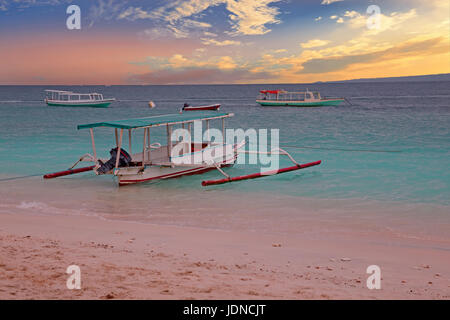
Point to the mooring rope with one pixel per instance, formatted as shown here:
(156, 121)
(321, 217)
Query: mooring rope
(22, 177)
(339, 149)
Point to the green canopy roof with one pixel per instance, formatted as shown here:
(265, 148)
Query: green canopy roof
(158, 120)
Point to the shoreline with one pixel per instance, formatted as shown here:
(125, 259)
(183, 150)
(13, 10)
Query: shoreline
(128, 260)
(225, 209)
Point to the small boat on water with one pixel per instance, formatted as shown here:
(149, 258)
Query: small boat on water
(178, 157)
(187, 107)
(282, 98)
(71, 99)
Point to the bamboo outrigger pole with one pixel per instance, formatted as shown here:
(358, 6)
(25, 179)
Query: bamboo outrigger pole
(260, 175)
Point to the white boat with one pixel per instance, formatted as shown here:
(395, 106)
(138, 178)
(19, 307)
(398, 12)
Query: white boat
(175, 159)
(71, 99)
(282, 98)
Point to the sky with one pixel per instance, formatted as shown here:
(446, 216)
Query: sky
(221, 41)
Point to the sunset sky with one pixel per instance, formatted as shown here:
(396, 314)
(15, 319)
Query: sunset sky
(220, 41)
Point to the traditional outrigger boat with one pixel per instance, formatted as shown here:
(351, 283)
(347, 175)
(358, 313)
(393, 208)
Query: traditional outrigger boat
(281, 98)
(177, 158)
(71, 99)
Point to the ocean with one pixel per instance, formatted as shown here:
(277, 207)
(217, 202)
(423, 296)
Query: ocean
(385, 159)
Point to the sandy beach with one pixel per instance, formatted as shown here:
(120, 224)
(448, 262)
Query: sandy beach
(127, 260)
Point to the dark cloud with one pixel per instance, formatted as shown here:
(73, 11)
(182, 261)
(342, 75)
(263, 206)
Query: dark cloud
(324, 65)
(196, 76)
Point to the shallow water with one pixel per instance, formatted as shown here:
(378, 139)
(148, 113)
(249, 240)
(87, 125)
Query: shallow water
(385, 157)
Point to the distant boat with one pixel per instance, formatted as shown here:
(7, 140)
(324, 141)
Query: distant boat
(72, 99)
(295, 99)
(187, 107)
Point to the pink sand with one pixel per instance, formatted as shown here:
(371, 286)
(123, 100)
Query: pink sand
(126, 260)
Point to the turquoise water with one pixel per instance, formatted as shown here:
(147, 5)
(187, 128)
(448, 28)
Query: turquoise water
(391, 145)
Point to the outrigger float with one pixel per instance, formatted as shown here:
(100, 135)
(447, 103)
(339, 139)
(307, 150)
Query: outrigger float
(176, 158)
(282, 98)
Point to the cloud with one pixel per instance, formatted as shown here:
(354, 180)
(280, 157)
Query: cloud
(23, 4)
(178, 61)
(388, 22)
(314, 43)
(177, 10)
(246, 17)
(132, 14)
(104, 9)
(351, 14)
(197, 76)
(336, 63)
(196, 24)
(155, 33)
(208, 41)
(327, 2)
(226, 63)
(250, 17)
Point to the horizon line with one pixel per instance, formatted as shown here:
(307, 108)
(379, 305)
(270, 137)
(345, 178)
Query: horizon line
(234, 84)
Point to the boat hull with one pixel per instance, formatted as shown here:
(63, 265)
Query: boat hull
(92, 104)
(186, 164)
(286, 103)
(202, 108)
(155, 173)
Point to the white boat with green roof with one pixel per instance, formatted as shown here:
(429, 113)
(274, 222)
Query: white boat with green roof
(61, 98)
(282, 98)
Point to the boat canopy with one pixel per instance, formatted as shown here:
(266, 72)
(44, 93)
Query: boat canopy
(271, 91)
(58, 91)
(155, 121)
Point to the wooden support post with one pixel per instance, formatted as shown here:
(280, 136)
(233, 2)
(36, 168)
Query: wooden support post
(93, 144)
(144, 146)
(169, 140)
(148, 144)
(129, 142)
(223, 130)
(119, 146)
(223, 139)
(208, 138)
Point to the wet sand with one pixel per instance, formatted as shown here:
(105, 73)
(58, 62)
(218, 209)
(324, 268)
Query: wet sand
(127, 260)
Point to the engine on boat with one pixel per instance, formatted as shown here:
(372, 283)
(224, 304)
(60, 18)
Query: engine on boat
(124, 161)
